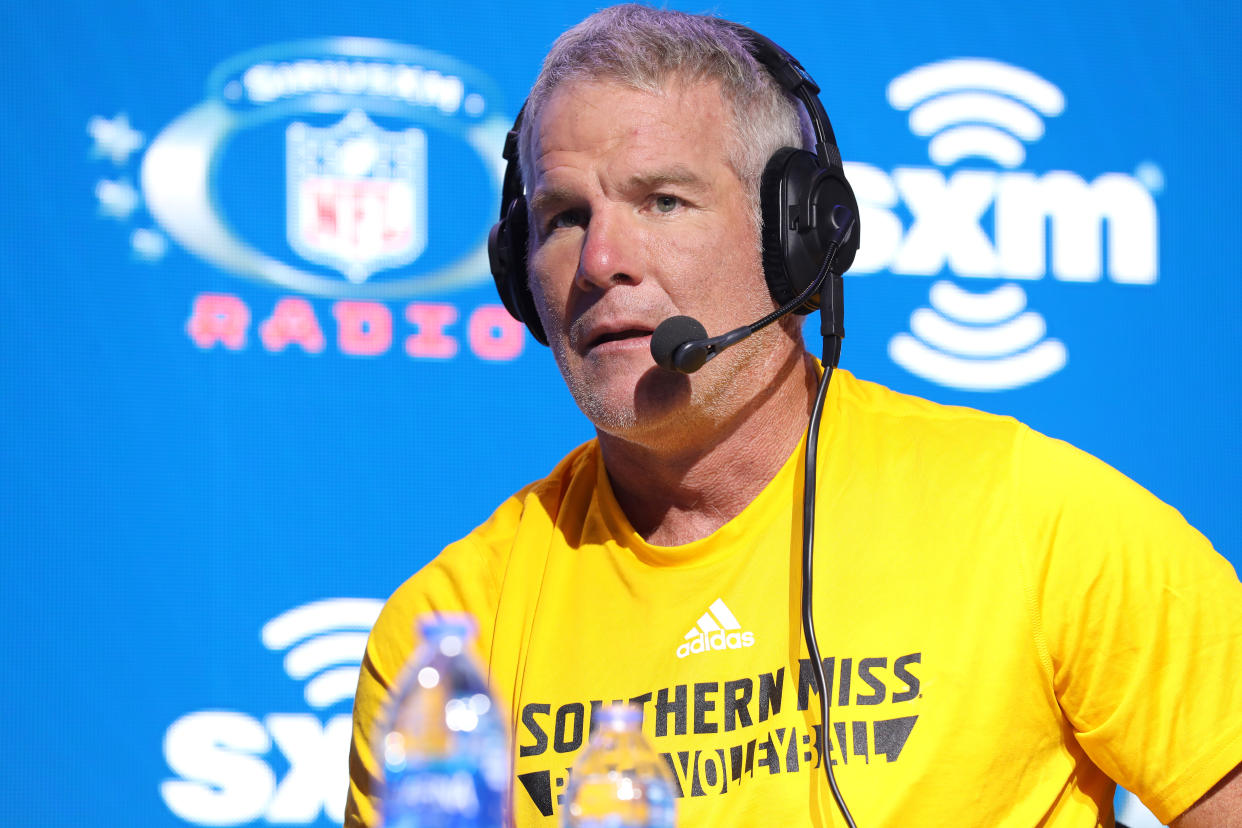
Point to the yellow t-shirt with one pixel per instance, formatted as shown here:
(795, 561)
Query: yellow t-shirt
(1007, 624)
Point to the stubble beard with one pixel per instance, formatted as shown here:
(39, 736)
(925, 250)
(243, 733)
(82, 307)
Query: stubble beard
(665, 409)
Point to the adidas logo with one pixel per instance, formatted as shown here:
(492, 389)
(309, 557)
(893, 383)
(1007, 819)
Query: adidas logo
(717, 629)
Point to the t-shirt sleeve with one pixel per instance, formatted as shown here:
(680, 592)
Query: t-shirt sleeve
(1140, 622)
(461, 578)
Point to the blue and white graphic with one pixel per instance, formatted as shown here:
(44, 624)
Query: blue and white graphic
(225, 762)
(114, 138)
(984, 110)
(978, 341)
(357, 195)
(325, 642)
(976, 108)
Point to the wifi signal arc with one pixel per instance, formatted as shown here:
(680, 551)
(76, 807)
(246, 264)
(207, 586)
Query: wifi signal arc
(1022, 369)
(961, 107)
(977, 342)
(317, 617)
(326, 641)
(323, 651)
(975, 73)
(976, 107)
(993, 341)
(1005, 302)
(960, 142)
(332, 687)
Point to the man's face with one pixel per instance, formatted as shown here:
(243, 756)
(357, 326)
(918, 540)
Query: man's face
(637, 216)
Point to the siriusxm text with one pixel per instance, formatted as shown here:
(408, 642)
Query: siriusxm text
(267, 82)
(225, 765)
(1107, 225)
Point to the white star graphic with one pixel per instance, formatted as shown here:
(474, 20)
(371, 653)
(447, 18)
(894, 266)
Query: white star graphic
(114, 138)
(116, 198)
(148, 245)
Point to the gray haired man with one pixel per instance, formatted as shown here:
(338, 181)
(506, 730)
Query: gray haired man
(1008, 626)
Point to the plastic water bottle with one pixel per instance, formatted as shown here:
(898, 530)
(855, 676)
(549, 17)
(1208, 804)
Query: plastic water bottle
(444, 741)
(619, 781)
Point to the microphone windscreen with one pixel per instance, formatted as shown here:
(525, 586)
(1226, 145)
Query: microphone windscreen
(670, 335)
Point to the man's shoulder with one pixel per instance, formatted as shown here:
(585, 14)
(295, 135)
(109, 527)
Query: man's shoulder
(540, 501)
(485, 550)
(468, 574)
(871, 407)
(902, 433)
(876, 399)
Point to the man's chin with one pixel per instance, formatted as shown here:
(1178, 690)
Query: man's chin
(660, 393)
(624, 403)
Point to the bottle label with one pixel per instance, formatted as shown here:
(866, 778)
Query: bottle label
(441, 795)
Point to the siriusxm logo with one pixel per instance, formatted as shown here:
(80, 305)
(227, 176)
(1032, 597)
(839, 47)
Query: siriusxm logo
(220, 757)
(362, 130)
(1006, 224)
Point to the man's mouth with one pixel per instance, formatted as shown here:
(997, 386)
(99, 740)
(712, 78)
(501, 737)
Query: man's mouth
(622, 335)
(613, 336)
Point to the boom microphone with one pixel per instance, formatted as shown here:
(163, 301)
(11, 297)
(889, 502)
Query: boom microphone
(681, 343)
(671, 338)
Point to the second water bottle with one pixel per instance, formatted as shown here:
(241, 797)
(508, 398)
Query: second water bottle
(619, 781)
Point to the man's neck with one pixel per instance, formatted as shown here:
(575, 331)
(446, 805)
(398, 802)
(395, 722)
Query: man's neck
(675, 491)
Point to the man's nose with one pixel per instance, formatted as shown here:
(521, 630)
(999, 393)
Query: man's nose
(611, 251)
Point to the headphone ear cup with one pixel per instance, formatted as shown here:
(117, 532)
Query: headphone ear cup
(797, 196)
(774, 211)
(506, 250)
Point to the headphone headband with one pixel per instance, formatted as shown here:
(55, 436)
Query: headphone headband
(790, 74)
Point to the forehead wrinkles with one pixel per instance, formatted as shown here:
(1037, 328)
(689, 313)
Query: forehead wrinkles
(603, 118)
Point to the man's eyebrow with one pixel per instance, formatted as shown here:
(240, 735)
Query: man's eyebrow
(677, 174)
(549, 197)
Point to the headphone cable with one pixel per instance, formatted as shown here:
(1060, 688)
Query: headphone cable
(831, 356)
(808, 550)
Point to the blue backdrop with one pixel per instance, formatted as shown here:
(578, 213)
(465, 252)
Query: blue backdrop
(254, 365)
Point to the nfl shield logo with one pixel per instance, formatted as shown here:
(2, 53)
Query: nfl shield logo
(357, 195)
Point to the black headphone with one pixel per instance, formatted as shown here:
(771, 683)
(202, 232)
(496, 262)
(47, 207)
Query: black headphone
(798, 193)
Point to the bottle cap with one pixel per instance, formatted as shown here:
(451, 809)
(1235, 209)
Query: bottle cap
(447, 632)
(619, 716)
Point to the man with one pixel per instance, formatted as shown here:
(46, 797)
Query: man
(1008, 625)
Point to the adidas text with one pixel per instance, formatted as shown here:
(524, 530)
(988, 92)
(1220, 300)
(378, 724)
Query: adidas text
(719, 640)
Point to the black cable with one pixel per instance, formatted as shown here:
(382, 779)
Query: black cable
(808, 551)
(831, 355)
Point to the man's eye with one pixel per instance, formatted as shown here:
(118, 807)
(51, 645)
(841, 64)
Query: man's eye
(666, 203)
(568, 218)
